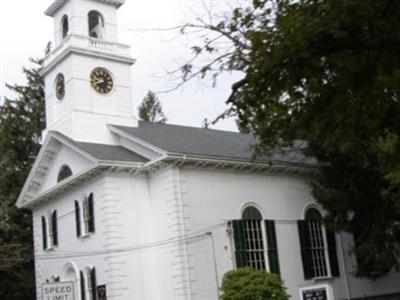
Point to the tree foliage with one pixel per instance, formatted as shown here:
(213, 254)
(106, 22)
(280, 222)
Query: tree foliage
(326, 72)
(151, 109)
(250, 284)
(21, 123)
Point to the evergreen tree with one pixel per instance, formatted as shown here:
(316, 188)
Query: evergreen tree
(21, 122)
(151, 110)
(326, 72)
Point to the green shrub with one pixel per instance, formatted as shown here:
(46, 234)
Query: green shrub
(251, 284)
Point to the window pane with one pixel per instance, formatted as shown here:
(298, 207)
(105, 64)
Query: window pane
(64, 173)
(251, 213)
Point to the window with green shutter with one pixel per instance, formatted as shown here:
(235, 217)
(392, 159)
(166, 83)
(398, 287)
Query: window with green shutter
(85, 216)
(272, 247)
(318, 247)
(250, 246)
(91, 283)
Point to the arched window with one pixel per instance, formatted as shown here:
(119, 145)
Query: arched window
(64, 173)
(84, 216)
(318, 247)
(50, 231)
(251, 247)
(253, 238)
(96, 25)
(251, 213)
(64, 26)
(88, 214)
(313, 214)
(70, 273)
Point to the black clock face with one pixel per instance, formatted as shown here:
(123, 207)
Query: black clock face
(60, 86)
(102, 81)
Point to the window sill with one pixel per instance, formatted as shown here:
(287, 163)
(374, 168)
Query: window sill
(319, 279)
(85, 236)
(50, 249)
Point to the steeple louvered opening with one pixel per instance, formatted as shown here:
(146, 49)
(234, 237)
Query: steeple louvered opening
(64, 26)
(96, 25)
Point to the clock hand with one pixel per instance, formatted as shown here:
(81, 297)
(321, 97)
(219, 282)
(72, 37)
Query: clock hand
(98, 81)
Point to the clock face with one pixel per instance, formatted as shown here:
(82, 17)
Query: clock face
(102, 81)
(60, 86)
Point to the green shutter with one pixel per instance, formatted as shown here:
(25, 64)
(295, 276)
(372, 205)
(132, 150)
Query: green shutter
(83, 295)
(240, 243)
(93, 283)
(44, 233)
(272, 247)
(91, 213)
(54, 228)
(77, 219)
(333, 259)
(305, 249)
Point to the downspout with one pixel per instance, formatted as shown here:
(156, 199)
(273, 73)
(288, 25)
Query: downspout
(346, 281)
(210, 234)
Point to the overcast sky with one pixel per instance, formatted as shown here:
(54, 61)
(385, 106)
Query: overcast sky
(25, 30)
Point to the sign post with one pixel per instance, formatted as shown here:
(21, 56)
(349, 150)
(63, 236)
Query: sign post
(102, 292)
(58, 291)
(316, 292)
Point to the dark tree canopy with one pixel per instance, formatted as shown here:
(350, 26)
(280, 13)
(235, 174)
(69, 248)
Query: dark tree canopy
(250, 284)
(151, 109)
(326, 72)
(21, 124)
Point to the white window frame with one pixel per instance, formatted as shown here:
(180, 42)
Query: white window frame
(263, 234)
(88, 282)
(49, 231)
(325, 247)
(84, 217)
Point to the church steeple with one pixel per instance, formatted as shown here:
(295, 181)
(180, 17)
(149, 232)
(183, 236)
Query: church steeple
(87, 75)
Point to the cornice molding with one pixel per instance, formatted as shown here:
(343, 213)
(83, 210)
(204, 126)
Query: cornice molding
(56, 5)
(69, 50)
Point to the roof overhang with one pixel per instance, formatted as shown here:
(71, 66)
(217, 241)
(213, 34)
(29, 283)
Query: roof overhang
(52, 143)
(57, 4)
(78, 179)
(218, 163)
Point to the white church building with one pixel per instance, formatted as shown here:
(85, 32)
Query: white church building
(131, 210)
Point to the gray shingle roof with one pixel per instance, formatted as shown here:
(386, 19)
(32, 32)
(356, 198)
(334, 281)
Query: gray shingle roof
(105, 152)
(205, 142)
(111, 153)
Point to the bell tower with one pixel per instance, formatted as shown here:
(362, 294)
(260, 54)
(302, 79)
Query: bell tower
(87, 74)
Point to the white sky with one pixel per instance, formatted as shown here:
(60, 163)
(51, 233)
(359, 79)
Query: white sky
(25, 30)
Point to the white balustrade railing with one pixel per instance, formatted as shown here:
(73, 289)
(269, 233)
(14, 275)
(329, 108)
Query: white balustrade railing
(88, 43)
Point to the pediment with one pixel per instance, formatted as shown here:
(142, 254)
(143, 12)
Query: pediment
(56, 152)
(65, 156)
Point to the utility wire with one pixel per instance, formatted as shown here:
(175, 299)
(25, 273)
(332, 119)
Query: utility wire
(193, 237)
